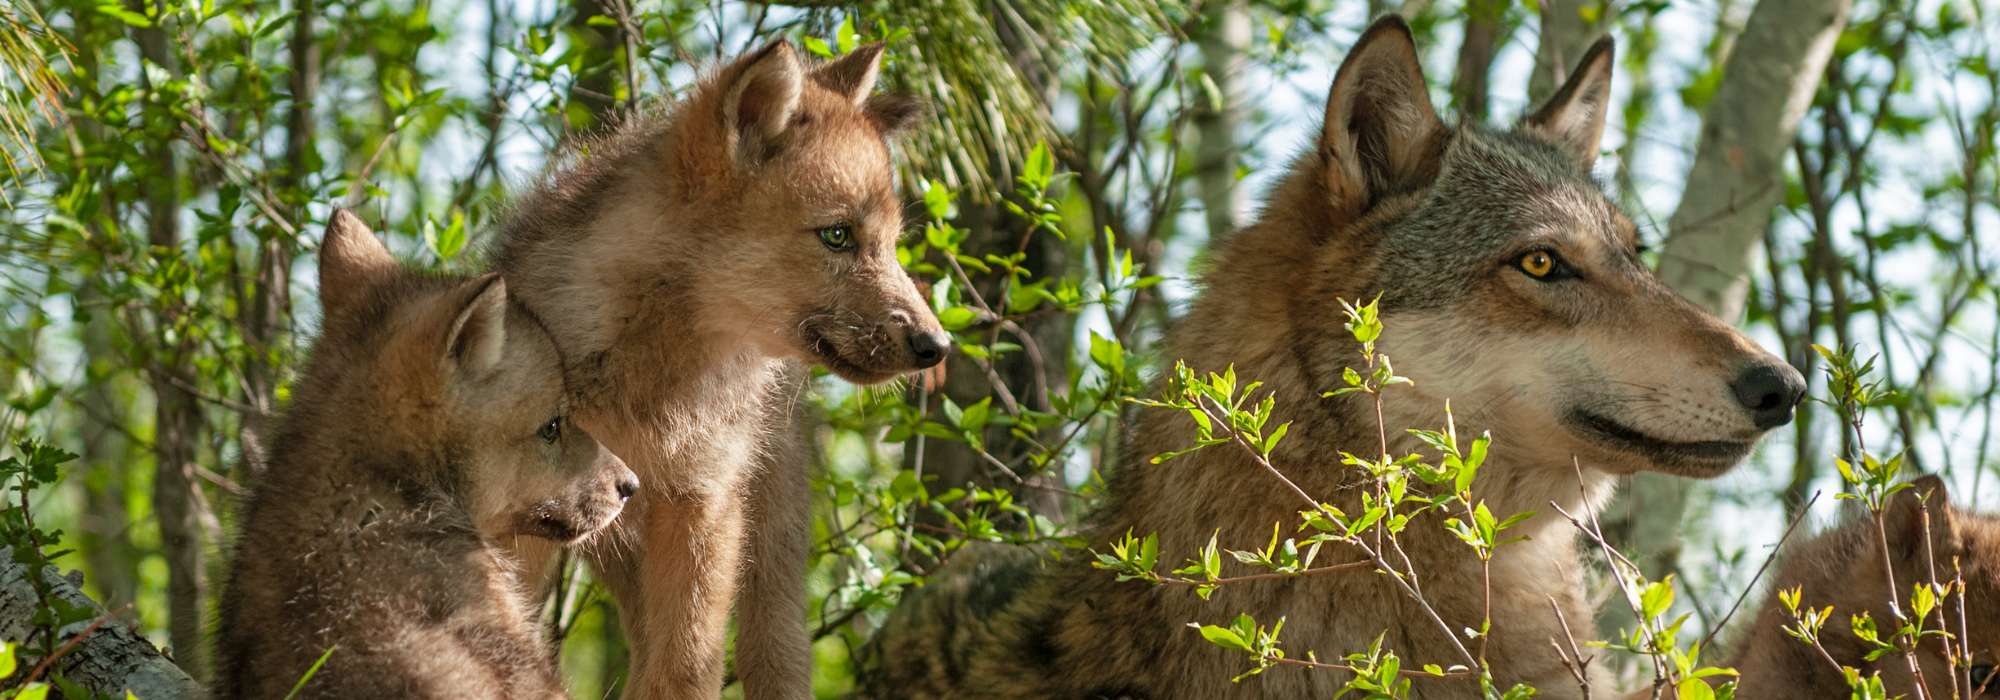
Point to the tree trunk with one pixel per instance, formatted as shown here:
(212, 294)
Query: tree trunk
(1737, 177)
(177, 415)
(1483, 32)
(111, 660)
(266, 321)
(1566, 34)
(1717, 230)
(105, 529)
(1224, 40)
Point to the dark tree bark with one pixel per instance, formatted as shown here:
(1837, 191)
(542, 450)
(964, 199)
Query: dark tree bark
(109, 660)
(1483, 33)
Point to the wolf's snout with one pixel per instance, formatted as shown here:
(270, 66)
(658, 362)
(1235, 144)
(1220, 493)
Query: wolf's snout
(628, 485)
(1769, 392)
(928, 348)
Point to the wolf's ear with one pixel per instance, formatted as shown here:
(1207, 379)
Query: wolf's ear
(1573, 118)
(761, 95)
(1903, 519)
(478, 332)
(351, 263)
(893, 113)
(852, 76)
(1380, 125)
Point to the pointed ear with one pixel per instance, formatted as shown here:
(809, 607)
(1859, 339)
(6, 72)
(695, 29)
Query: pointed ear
(478, 330)
(761, 93)
(1574, 117)
(893, 113)
(352, 262)
(1903, 519)
(852, 76)
(1380, 126)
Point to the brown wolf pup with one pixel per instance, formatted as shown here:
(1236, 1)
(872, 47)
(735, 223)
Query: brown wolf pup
(1843, 568)
(1510, 285)
(429, 422)
(684, 265)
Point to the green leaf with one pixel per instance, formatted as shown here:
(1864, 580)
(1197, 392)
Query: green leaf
(1695, 689)
(1658, 596)
(845, 38)
(957, 318)
(128, 17)
(906, 487)
(310, 672)
(1222, 637)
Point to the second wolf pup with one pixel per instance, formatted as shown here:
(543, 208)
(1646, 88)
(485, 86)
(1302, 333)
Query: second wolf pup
(1844, 568)
(429, 422)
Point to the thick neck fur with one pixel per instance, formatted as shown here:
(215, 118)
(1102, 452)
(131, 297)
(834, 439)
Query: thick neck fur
(1271, 308)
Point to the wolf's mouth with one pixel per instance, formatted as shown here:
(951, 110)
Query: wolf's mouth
(550, 527)
(824, 350)
(1708, 456)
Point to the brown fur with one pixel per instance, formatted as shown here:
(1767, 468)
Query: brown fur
(680, 264)
(1843, 568)
(419, 435)
(1390, 201)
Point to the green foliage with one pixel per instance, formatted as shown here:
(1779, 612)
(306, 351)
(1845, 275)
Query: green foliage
(156, 205)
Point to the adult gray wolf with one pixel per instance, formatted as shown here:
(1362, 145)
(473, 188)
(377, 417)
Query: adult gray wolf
(1509, 285)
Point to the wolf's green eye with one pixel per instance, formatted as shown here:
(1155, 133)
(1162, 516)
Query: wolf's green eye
(551, 431)
(837, 237)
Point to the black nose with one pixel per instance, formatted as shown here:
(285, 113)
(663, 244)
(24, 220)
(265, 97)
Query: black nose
(928, 349)
(1770, 392)
(626, 487)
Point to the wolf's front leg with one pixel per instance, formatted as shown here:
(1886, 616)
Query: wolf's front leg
(773, 650)
(674, 595)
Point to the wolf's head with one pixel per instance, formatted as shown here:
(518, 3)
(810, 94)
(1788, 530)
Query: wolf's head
(1513, 287)
(785, 174)
(466, 380)
(1845, 568)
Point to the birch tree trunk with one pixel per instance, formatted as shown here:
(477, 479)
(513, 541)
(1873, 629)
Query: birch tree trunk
(1716, 232)
(1738, 173)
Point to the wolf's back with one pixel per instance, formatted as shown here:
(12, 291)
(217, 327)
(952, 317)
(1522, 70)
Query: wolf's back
(948, 638)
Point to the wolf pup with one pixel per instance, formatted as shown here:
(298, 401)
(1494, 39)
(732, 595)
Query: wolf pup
(1843, 568)
(684, 265)
(1510, 285)
(428, 424)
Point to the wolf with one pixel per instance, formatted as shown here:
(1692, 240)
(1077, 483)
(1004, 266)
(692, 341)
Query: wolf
(690, 264)
(1843, 567)
(1509, 285)
(430, 424)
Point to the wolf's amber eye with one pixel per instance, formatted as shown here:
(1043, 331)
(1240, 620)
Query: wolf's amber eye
(551, 431)
(837, 237)
(1539, 264)
(1982, 678)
